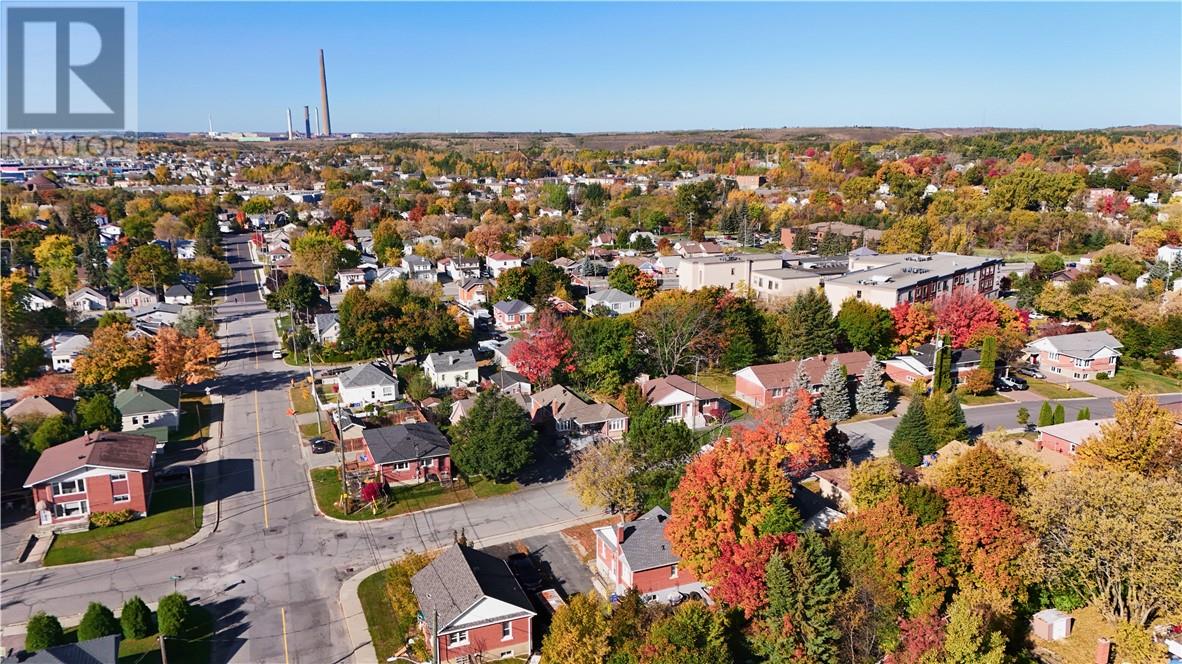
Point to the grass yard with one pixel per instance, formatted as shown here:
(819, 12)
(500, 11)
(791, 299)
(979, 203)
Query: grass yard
(859, 417)
(282, 324)
(386, 630)
(1053, 390)
(1146, 381)
(312, 430)
(326, 484)
(981, 399)
(194, 422)
(1089, 627)
(719, 381)
(302, 400)
(169, 520)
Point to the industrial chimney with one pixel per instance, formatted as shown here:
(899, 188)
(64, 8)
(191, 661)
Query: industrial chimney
(289, 134)
(307, 123)
(324, 97)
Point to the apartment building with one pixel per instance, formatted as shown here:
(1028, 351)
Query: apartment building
(890, 279)
(727, 271)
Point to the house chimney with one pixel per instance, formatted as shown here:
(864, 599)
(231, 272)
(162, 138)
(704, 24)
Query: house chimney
(1103, 651)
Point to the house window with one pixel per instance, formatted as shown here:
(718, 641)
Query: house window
(673, 571)
(122, 498)
(118, 476)
(402, 465)
(458, 638)
(76, 508)
(69, 486)
(135, 419)
(616, 425)
(506, 631)
(506, 654)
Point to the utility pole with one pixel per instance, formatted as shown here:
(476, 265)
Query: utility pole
(193, 496)
(163, 650)
(435, 636)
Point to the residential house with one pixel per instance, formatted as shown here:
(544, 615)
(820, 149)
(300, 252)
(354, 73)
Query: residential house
(87, 299)
(580, 422)
(763, 384)
(686, 401)
(499, 261)
(921, 363)
(604, 240)
(417, 268)
(137, 296)
(63, 348)
(178, 294)
(462, 267)
(103, 650)
(409, 453)
(1066, 438)
(142, 407)
(637, 554)
(101, 471)
(473, 292)
(351, 278)
(157, 313)
(860, 235)
(697, 249)
(460, 409)
(834, 484)
(38, 407)
(501, 350)
(1081, 356)
(1169, 253)
(186, 250)
(472, 608)
(512, 315)
(891, 279)
(614, 300)
(727, 271)
(367, 384)
(450, 369)
(510, 382)
(326, 328)
(37, 300)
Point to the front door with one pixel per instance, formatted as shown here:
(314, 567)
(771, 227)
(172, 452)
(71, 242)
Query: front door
(46, 517)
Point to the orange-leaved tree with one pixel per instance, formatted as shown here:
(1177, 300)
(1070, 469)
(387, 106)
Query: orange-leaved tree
(180, 360)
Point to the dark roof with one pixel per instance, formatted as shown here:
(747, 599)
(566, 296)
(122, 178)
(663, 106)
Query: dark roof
(103, 650)
(960, 357)
(109, 449)
(459, 578)
(404, 442)
(503, 379)
(644, 543)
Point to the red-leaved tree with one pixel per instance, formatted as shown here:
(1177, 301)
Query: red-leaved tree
(341, 230)
(545, 350)
(915, 325)
(990, 538)
(741, 569)
(964, 313)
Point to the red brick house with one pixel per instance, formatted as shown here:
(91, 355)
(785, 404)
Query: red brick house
(636, 554)
(473, 292)
(408, 453)
(512, 315)
(102, 471)
(764, 384)
(1081, 356)
(472, 608)
(685, 401)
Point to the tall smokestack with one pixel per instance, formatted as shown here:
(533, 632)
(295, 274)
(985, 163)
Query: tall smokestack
(307, 123)
(316, 114)
(324, 97)
(289, 134)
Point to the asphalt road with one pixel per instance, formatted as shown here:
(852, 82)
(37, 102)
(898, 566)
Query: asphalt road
(271, 572)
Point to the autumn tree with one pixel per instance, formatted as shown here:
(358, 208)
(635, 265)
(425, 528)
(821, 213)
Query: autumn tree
(578, 632)
(602, 477)
(180, 360)
(981, 471)
(693, 634)
(1142, 439)
(152, 266)
(168, 228)
(318, 254)
(211, 271)
(990, 538)
(55, 255)
(516, 283)
(113, 357)
(873, 480)
(623, 278)
(915, 325)
(544, 352)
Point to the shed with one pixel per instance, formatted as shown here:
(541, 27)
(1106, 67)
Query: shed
(1052, 625)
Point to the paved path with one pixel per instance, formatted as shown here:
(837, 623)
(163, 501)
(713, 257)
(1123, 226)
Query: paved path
(272, 571)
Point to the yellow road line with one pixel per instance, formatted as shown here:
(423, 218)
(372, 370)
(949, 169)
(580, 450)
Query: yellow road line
(258, 437)
(283, 617)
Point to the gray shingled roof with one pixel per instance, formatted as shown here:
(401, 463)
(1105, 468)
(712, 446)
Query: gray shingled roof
(364, 375)
(512, 307)
(503, 379)
(1083, 344)
(324, 321)
(455, 360)
(103, 650)
(611, 295)
(405, 442)
(645, 545)
(459, 578)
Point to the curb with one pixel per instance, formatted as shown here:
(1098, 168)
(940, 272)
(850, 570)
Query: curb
(384, 519)
(354, 616)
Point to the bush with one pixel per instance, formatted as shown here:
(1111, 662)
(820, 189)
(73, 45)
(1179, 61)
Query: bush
(1103, 375)
(97, 622)
(136, 618)
(43, 631)
(173, 614)
(105, 519)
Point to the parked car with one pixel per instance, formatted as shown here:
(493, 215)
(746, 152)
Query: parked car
(320, 445)
(527, 575)
(277, 354)
(1007, 383)
(1032, 372)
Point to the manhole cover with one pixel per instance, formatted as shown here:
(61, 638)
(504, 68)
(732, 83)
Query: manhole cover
(341, 535)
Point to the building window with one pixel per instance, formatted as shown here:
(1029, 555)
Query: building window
(69, 486)
(458, 638)
(402, 465)
(506, 631)
(122, 498)
(76, 508)
(118, 476)
(673, 571)
(506, 654)
(135, 419)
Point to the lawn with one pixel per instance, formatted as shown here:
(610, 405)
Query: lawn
(195, 649)
(312, 430)
(1146, 382)
(169, 520)
(194, 422)
(301, 398)
(719, 381)
(1088, 628)
(981, 399)
(387, 632)
(402, 499)
(282, 324)
(1053, 390)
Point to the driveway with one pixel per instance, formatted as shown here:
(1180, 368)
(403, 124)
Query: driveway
(555, 559)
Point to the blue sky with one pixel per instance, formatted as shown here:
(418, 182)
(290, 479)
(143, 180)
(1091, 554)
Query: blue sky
(625, 67)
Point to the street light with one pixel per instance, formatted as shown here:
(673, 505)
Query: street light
(174, 579)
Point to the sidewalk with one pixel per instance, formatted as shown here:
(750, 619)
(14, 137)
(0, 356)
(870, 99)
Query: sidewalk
(360, 643)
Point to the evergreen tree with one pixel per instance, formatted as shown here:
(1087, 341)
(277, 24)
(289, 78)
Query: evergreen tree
(942, 372)
(912, 439)
(1060, 415)
(807, 326)
(835, 393)
(174, 614)
(802, 588)
(946, 420)
(97, 622)
(98, 412)
(1046, 417)
(135, 619)
(1084, 413)
(43, 631)
(1023, 416)
(1160, 270)
(989, 355)
(872, 397)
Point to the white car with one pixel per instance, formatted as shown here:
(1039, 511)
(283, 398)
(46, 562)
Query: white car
(277, 354)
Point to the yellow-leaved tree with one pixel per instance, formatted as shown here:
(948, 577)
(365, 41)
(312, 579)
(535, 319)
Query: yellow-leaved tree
(180, 360)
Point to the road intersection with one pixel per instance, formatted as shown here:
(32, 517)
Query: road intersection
(271, 571)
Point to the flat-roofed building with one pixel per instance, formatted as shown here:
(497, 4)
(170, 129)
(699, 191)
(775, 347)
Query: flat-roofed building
(727, 271)
(891, 279)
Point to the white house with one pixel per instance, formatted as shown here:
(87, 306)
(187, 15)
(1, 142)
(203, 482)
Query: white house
(366, 384)
(178, 294)
(451, 369)
(614, 299)
(38, 300)
(327, 328)
(63, 348)
(350, 278)
(137, 296)
(141, 407)
(499, 261)
(87, 299)
(1169, 253)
